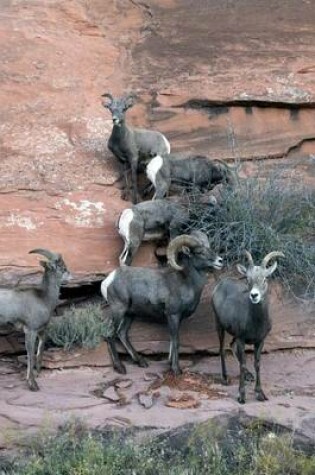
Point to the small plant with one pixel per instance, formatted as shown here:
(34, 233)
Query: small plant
(75, 450)
(83, 326)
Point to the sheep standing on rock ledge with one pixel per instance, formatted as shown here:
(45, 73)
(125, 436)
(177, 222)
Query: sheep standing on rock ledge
(242, 311)
(32, 308)
(131, 145)
(168, 294)
(149, 221)
(189, 173)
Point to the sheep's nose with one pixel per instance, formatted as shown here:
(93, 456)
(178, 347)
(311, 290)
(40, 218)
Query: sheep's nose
(218, 263)
(254, 295)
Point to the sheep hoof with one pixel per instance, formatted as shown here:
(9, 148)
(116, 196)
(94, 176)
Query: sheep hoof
(32, 385)
(143, 363)
(261, 396)
(249, 376)
(177, 372)
(125, 195)
(241, 399)
(224, 381)
(121, 369)
(38, 367)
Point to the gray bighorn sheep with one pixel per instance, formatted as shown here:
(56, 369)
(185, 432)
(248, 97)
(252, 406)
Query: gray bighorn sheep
(242, 310)
(197, 172)
(32, 308)
(168, 294)
(149, 221)
(132, 145)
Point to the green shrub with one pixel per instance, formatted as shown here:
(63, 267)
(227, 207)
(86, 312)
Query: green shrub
(83, 326)
(77, 451)
(263, 215)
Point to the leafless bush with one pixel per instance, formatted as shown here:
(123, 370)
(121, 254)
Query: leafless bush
(264, 214)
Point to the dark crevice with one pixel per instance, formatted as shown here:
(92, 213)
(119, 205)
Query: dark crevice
(298, 145)
(81, 291)
(144, 7)
(211, 103)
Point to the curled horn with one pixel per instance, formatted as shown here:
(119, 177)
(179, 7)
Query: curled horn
(232, 171)
(175, 245)
(249, 258)
(226, 165)
(270, 256)
(52, 256)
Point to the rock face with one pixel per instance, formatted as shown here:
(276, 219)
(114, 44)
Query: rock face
(216, 78)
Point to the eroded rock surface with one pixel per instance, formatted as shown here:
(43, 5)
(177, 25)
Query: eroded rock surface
(217, 78)
(87, 393)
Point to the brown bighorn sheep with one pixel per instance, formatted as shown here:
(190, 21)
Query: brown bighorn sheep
(132, 145)
(192, 172)
(168, 294)
(32, 308)
(242, 310)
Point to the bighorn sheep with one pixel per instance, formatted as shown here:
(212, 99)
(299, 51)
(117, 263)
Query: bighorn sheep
(242, 310)
(32, 308)
(168, 294)
(131, 145)
(149, 221)
(191, 172)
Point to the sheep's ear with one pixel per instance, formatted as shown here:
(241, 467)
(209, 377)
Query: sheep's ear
(241, 269)
(129, 101)
(270, 270)
(186, 250)
(108, 100)
(107, 104)
(48, 265)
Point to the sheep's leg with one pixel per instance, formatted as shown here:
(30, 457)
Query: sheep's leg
(40, 349)
(30, 341)
(173, 324)
(221, 334)
(131, 249)
(134, 179)
(161, 186)
(240, 353)
(260, 395)
(124, 172)
(124, 255)
(117, 364)
(248, 375)
(123, 336)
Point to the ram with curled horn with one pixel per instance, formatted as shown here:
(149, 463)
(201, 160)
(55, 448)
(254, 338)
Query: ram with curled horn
(32, 308)
(168, 294)
(242, 310)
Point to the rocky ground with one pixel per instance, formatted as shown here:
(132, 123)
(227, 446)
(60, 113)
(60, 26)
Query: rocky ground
(151, 398)
(233, 80)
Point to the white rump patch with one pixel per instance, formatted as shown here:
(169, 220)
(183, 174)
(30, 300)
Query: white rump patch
(124, 223)
(106, 283)
(153, 168)
(167, 144)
